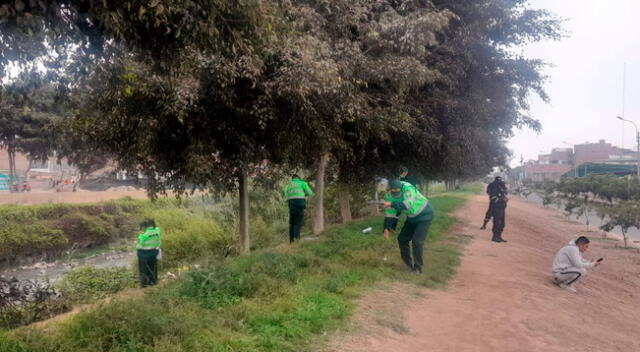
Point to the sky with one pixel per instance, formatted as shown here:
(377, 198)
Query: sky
(585, 78)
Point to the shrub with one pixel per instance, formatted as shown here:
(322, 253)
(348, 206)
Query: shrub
(25, 302)
(89, 283)
(85, 230)
(18, 240)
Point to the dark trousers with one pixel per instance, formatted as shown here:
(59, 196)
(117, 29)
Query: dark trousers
(148, 266)
(489, 213)
(416, 233)
(296, 216)
(498, 222)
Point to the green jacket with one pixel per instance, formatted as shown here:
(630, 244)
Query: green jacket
(413, 203)
(149, 239)
(391, 215)
(297, 191)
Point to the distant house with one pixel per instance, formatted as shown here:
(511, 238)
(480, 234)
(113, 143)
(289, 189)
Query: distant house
(549, 166)
(564, 160)
(39, 168)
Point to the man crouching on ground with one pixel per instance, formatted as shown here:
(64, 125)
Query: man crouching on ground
(568, 264)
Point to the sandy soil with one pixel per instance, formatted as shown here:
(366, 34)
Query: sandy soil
(502, 298)
(67, 197)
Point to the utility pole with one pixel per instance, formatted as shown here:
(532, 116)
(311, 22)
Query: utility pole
(573, 159)
(637, 144)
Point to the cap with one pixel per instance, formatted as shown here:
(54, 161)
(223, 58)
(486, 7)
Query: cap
(395, 187)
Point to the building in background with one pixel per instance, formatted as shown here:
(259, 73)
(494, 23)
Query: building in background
(577, 160)
(549, 166)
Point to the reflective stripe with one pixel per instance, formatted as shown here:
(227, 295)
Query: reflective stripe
(419, 210)
(392, 216)
(296, 190)
(150, 239)
(147, 248)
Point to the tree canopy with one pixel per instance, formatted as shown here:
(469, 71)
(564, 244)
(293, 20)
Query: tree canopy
(202, 92)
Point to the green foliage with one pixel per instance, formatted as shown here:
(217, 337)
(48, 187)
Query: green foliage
(24, 239)
(28, 106)
(49, 229)
(281, 299)
(88, 284)
(616, 200)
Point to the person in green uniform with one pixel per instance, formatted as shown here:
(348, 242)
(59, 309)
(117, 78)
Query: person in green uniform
(296, 194)
(148, 248)
(406, 198)
(391, 218)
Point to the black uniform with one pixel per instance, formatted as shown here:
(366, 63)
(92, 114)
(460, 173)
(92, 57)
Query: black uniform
(495, 190)
(499, 206)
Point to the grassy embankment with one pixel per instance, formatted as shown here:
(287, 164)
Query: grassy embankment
(278, 299)
(193, 229)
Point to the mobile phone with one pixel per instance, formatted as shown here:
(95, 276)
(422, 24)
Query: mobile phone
(599, 260)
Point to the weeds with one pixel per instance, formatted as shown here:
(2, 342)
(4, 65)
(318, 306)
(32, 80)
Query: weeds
(24, 302)
(88, 284)
(282, 299)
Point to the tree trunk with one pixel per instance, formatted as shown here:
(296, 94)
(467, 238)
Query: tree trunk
(12, 168)
(345, 206)
(375, 207)
(318, 212)
(26, 172)
(244, 213)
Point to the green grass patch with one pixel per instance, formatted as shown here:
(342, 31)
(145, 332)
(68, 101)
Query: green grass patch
(280, 299)
(88, 284)
(468, 188)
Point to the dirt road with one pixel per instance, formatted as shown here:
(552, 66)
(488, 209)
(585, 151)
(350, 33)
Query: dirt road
(502, 299)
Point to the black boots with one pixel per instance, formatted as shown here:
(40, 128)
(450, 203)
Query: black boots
(484, 225)
(498, 238)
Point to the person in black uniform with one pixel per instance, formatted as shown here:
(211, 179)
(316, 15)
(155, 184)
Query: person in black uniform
(494, 190)
(499, 206)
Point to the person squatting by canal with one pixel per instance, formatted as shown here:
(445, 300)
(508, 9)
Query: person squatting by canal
(569, 266)
(404, 197)
(148, 249)
(296, 194)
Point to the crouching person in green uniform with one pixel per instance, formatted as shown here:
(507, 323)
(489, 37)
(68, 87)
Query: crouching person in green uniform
(391, 218)
(148, 248)
(406, 198)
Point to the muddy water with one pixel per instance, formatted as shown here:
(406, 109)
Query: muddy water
(594, 220)
(53, 271)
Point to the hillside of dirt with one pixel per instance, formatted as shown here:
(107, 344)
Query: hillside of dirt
(502, 299)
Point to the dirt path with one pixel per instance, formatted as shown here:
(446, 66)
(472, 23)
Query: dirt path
(502, 298)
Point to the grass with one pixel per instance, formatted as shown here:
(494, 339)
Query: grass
(280, 299)
(439, 188)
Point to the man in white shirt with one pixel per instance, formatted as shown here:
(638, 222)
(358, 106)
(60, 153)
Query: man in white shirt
(568, 264)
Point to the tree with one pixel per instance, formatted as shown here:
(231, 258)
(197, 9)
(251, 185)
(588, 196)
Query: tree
(73, 144)
(28, 106)
(358, 60)
(625, 215)
(202, 98)
(483, 90)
